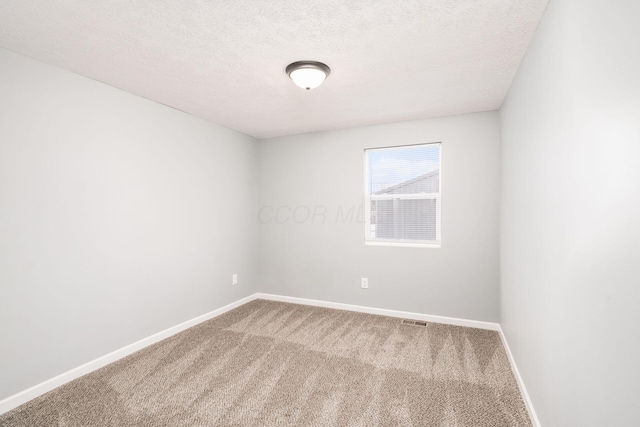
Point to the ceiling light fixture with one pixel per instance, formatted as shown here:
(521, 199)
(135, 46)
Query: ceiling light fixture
(308, 74)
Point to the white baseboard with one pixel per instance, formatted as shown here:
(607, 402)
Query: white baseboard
(31, 393)
(523, 390)
(383, 312)
(18, 399)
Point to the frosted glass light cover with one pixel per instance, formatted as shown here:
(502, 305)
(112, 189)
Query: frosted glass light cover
(308, 78)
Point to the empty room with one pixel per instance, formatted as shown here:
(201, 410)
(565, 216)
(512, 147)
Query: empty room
(320, 213)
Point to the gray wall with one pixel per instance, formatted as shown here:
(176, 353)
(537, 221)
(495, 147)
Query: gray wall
(311, 247)
(119, 218)
(570, 265)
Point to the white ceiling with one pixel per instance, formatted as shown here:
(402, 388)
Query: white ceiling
(224, 60)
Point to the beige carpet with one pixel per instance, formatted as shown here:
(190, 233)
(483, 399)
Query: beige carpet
(277, 364)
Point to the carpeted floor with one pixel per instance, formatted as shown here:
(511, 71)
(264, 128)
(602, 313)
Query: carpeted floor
(276, 364)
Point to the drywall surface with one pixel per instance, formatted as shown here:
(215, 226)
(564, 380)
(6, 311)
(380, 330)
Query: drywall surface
(312, 221)
(119, 218)
(570, 217)
(225, 60)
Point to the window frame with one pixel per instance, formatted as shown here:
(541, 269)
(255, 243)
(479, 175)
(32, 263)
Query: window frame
(369, 241)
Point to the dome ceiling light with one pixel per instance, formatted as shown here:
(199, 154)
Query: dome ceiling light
(308, 74)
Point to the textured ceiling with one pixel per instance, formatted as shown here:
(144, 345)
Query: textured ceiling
(224, 60)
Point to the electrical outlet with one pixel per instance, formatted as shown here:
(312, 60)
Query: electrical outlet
(365, 283)
(235, 279)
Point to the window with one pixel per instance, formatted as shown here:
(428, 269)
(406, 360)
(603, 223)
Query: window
(402, 195)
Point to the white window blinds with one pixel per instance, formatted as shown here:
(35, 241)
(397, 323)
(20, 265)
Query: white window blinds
(402, 195)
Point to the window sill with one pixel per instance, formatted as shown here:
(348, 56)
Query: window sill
(402, 244)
